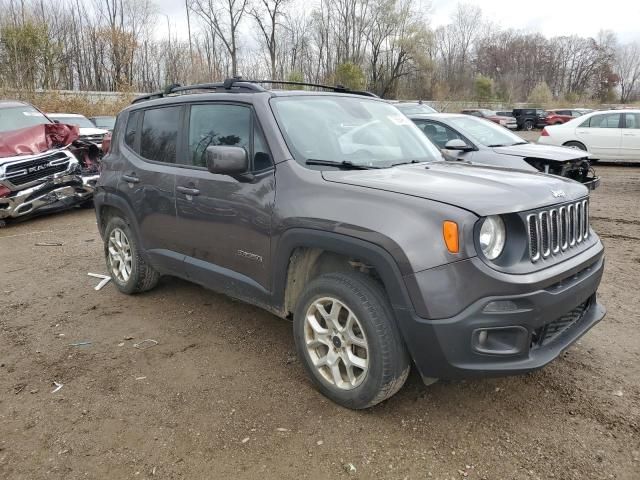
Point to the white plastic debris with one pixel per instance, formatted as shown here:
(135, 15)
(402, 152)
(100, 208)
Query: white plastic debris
(105, 279)
(58, 386)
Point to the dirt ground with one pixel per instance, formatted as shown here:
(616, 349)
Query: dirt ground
(222, 395)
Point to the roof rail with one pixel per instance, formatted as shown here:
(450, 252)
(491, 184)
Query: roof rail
(335, 88)
(238, 83)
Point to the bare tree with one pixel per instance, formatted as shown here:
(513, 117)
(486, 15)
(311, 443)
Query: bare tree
(628, 70)
(222, 17)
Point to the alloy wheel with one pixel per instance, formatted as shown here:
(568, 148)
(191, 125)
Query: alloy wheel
(120, 257)
(336, 343)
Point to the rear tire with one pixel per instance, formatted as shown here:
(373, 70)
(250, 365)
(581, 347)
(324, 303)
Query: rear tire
(348, 341)
(129, 271)
(528, 125)
(576, 145)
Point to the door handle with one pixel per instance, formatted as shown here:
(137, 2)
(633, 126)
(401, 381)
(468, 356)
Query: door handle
(130, 179)
(188, 191)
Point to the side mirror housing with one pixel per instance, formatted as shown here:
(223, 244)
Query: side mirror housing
(227, 160)
(457, 144)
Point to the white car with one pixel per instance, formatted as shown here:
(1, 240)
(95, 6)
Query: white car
(88, 130)
(606, 135)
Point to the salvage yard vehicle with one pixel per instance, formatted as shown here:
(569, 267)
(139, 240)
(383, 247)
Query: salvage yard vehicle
(530, 118)
(461, 137)
(43, 167)
(411, 108)
(606, 135)
(506, 121)
(560, 116)
(105, 122)
(88, 131)
(381, 258)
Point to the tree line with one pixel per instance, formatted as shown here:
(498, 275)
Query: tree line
(385, 46)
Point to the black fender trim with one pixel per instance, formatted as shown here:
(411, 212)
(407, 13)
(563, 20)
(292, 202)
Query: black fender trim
(381, 259)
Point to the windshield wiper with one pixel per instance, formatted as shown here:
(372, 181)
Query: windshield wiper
(342, 164)
(519, 143)
(496, 145)
(407, 163)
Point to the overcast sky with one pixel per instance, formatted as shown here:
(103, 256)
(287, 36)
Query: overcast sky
(549, 17)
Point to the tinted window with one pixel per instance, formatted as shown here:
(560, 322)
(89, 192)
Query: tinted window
(632, 120)
(228, 125)
(609, 120)
(131, 130)
(159, 136)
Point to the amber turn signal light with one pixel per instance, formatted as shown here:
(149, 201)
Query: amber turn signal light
(450, 235)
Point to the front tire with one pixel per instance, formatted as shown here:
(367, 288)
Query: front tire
(129, 271)
(528, 125)
(348, 341)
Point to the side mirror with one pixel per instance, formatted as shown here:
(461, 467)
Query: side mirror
(457, 144)
(227, 160)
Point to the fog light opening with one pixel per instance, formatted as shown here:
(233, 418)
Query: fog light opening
(500, 306)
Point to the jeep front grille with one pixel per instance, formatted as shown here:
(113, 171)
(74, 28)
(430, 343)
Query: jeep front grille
(555, 230)
(21, 173)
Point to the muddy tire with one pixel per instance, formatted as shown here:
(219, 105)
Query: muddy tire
(348, 341)
(129, 271)
(528, 125)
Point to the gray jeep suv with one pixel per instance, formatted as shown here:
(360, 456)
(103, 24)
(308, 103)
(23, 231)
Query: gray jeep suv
(334, 210)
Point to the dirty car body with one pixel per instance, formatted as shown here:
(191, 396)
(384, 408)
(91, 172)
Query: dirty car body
(325, 192)
(485, 144)
(43, 168)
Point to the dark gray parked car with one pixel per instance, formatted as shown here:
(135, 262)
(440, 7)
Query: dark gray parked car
(333, 209)
(461, 137)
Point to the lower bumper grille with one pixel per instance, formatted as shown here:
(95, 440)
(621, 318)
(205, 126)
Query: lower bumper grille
(549, 332)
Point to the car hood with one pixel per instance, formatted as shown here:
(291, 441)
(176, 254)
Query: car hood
(546, 152)
(483, 190)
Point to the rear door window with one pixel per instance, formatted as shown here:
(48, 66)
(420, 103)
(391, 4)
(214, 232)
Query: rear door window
(632, 120)
(159, 135)
(606, 120)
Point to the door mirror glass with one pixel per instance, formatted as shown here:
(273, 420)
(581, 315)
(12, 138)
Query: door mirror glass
(457, 144)
(227, 160)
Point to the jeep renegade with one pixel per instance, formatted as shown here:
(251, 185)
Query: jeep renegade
(334, 210)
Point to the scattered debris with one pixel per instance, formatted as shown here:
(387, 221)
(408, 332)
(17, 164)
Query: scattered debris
(49, 244)
(121, 344)
(140, 378)
(144, 344)
(103, 282)
(349, 468)
(19, 387)
(129, 337)
(320, 442)
(58, 386)
(245, 440)
(618, 393)
(280, 429)
(35, 390)
(80, 344)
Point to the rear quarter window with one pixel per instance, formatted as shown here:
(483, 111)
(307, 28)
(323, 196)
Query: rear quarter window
(131, 130)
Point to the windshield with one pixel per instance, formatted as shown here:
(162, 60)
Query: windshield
(359, 131)
(414, 108)
(80, 121)
(105, 122)
(23, 116)
(485, 133)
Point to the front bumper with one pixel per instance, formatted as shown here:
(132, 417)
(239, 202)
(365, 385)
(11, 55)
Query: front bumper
(60, 191)
(509, 333)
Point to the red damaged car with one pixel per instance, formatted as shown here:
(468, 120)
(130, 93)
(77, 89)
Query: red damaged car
(562, 115)
(505, 121)
(43, 165)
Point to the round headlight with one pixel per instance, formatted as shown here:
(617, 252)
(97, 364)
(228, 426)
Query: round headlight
(492, 237)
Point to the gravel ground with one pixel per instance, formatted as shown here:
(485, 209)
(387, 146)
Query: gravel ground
(222, 395)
